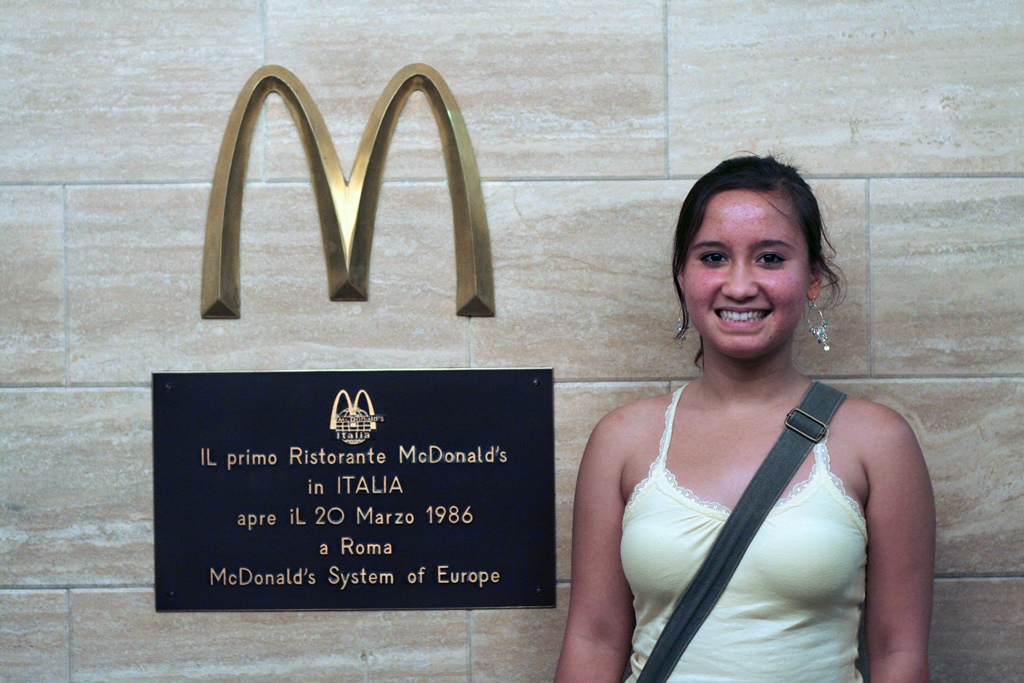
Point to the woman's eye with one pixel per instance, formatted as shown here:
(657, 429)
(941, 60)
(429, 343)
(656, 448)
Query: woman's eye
(713, 257)
(773, 259)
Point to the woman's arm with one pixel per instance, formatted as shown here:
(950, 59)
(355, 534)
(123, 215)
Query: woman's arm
(900, 514)
(600, 623)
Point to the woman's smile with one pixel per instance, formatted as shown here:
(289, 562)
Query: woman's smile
(741, 316)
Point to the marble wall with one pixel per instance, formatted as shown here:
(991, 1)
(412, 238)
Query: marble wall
(590, 121)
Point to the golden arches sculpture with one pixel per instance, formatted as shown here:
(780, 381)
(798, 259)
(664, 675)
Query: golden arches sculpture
(347, 209)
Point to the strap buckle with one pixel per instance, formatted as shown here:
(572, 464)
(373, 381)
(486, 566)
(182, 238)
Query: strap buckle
(822, 427)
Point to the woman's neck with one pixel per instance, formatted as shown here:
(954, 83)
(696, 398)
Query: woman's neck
(759, 381)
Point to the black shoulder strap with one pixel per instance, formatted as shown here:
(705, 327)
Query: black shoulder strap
(806, 425)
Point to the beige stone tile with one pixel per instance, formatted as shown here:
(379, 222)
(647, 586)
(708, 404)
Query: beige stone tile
(117, 636)
(121, 90)
(75, 487)
(946, 276)
(546, 89)
(31, 286)
(33, 636)
(977, 629)
(134, 273)
(970, 432)
(518, 646)
(578, 407)
(583, 273)
(844, 208)
(851, 88)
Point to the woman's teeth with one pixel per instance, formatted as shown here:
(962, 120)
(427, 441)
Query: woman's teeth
(744, 317)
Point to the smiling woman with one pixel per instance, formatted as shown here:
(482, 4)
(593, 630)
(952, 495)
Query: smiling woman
(746, 276)
(773, 189)
(660, 477)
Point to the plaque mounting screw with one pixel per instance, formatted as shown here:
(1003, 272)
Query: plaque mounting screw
(170, 595)
(168, 386)
(536, 382)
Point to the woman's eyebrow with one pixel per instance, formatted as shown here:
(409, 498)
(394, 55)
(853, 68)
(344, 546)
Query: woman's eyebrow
(708, 244)
(715, 244)
(773, 243)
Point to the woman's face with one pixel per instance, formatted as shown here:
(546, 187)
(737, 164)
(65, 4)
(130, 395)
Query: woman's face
(747, 276)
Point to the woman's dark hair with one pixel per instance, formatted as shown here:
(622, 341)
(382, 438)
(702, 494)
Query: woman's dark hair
(768, 176)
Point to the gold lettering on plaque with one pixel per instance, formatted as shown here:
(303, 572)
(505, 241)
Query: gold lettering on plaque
(347, 209)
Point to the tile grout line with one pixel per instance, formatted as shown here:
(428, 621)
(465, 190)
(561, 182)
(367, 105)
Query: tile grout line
(664, 55)
(66, 317)
(871, 293)
(67, 596)
(263, 30)
(564, 382)
(469, 649)
(508, 180)
(263, 106)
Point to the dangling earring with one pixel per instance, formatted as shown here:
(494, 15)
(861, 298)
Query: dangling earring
(682, 325)
(817, 330)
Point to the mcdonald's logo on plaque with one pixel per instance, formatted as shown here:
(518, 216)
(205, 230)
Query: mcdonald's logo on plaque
(347, 208)
(351, 423)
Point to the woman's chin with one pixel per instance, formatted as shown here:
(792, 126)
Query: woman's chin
(745, 348)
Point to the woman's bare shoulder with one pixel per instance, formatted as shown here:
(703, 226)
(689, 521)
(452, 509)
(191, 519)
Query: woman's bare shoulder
(872, 421)
(877, 433)
(633, 420)
(621, 446)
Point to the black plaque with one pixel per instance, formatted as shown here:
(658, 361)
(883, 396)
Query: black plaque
(414, 489)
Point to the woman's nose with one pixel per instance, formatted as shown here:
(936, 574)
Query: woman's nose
(740, 283)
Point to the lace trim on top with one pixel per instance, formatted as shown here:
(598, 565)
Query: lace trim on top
(822, 462)
(822, 459)
(693, 497)
(659, 462)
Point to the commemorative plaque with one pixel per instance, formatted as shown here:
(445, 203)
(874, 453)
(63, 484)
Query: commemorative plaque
(411, 489)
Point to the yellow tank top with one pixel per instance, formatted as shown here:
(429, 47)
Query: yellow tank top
(792, 609)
